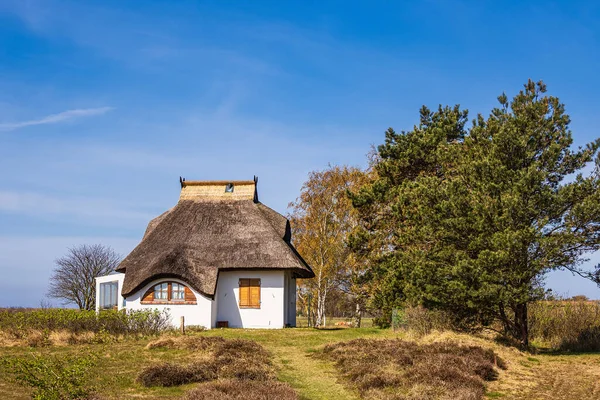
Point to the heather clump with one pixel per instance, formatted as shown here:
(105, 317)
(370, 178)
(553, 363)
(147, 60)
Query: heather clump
(236, 359)
(400, 369)
(233, 390)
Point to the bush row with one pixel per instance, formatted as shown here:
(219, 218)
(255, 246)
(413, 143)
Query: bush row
(564, 325)
(144, 322)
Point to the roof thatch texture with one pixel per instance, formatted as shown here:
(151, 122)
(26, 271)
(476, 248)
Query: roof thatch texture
(210, 230)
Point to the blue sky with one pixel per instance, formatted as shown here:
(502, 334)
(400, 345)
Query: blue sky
(104, 104)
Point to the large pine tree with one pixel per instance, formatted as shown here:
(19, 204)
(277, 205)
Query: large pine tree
(468, 218)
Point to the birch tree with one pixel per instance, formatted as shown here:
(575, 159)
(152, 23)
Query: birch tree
(322, 218)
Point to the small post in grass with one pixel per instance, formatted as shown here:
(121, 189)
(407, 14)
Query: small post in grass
(182, 325)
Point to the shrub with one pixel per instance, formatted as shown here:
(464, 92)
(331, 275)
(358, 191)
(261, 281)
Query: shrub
(39, 339)
(164, 374)
(439, 370)
(229, 359)
(382, 319)
(19, 323)
(53, 378)
(163, 343)
(266, 390)
(187, 343)
(421, 321)
(566, 325)
(195, 328)
(169, 374)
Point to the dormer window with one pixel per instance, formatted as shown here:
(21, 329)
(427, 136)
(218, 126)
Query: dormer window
(229, 188)
(169, 293)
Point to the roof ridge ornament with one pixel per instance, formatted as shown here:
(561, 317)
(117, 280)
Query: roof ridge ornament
(255, 199)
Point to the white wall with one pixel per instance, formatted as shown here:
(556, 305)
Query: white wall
(286, 296)
(199, 314)
(271, 311)
(117, 276)
(278, 301)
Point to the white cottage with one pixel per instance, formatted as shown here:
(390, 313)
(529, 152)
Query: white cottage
(218, 258)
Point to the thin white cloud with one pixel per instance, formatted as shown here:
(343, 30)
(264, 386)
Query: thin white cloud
(56, 118)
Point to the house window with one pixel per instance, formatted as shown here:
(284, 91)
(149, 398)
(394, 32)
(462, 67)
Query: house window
(177, 291)
(161, 291)
(169, 293)
(109, 295)
(249, 293)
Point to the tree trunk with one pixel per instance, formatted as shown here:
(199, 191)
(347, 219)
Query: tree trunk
(321, 296)
(521, 329)
(356, 319)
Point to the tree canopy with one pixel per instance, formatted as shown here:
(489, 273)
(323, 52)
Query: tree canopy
(469, 218)
(322, 218)
(73, 277)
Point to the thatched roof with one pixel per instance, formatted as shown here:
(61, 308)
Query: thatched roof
(208, 231)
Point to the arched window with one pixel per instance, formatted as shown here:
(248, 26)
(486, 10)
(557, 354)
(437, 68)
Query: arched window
(169, 293)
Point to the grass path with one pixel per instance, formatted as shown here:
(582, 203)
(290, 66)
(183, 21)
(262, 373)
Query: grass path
(313, 379)
(293, 351)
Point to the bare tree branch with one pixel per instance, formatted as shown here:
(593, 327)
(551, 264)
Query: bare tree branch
(73, 277)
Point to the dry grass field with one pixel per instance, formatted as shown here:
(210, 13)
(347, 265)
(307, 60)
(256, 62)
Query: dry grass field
(301, 360)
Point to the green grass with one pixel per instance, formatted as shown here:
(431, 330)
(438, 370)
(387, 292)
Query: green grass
(293, 351)
(120, 363)
(114, 376)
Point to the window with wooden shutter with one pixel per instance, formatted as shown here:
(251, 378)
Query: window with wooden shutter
(189, 295)
(169, 293)
(249, 293)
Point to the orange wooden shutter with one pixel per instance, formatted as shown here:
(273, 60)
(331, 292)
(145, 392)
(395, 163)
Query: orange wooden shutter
(149, 295)
(255, 293)
(244, 292)
(189, 295)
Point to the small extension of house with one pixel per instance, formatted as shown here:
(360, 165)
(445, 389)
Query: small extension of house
(218, 258)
